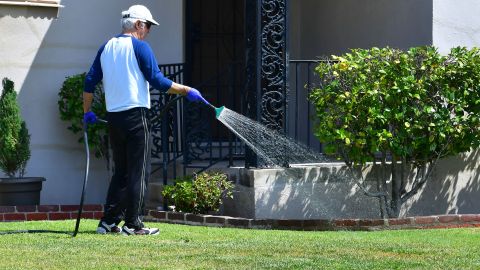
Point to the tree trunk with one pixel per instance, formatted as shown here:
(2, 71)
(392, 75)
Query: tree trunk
(396, 201)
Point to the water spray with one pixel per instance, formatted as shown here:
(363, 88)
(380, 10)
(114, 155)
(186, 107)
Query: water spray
(273, 147)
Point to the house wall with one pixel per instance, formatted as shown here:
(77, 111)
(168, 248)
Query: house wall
(456, 23)
(328, 191)
(39, 51)
(323, 28)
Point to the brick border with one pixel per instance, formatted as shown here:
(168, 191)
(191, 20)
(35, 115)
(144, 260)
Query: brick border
(95, 211)
(420, 222)
(49, 212)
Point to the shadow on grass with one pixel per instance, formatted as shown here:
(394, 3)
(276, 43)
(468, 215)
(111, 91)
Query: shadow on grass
(34, 232)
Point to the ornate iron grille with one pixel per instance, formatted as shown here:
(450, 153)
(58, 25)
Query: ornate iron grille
(266, 23)
(166, 121)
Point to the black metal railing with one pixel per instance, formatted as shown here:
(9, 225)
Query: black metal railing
(189, 131)
(206, 141)
(167, 116)
(300, 111)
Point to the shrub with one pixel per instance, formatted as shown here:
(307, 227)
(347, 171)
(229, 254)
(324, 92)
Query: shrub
(14, 137)
(199, 194)
(70, 106)
(410, 107)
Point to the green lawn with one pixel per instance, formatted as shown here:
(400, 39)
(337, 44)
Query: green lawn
(192, 247)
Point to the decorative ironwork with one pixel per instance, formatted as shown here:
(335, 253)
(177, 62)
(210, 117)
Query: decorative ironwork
(162, 124)
(273, 63)
(165, 115)
(266, 93)
(197, 132)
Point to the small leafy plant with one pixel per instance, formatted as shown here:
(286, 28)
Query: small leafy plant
(199, 194)
(14, 137)
(70, 105)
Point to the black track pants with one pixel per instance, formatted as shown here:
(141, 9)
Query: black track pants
(131, 143)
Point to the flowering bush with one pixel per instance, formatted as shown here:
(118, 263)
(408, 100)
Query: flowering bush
(408, 107)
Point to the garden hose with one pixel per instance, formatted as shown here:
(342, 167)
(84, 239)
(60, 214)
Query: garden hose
(165, 108)
(85, 179)
(87, 160)
(33, 231)
(87, 167)
(87, 152)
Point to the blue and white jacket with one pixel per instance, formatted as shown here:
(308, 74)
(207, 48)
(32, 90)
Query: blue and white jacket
(128, 67)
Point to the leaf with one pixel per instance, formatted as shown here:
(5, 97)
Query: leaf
(347, 141)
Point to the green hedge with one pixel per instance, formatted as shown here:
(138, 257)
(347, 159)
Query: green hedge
(70, 106)
(415, 106)
(14, 137)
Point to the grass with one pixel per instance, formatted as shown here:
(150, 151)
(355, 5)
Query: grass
(191, 247)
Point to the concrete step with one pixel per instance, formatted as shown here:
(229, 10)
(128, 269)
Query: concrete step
(154, 197)
(157, 175)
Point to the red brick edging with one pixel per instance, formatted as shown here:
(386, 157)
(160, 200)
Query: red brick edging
(421, 222)
(49, 212)
(95, 211)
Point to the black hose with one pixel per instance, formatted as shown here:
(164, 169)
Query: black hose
(165, 108)
(87, 159)
(33, 231)
(85, 179)
(87, 165)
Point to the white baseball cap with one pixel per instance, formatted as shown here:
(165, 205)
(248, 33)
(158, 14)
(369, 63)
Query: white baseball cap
(139, 12)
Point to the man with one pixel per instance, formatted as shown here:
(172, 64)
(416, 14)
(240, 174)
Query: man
(127, 66)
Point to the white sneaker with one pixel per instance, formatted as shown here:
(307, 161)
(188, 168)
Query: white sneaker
(140, 231)
(104, 228)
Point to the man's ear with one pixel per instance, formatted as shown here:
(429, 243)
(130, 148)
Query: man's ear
(138, 25)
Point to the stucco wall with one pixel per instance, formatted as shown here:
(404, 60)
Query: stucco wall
(38, 52)
(456, 23)
(328, 191)
(326, 27)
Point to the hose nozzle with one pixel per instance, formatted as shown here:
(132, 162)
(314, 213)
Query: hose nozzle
(218, 111)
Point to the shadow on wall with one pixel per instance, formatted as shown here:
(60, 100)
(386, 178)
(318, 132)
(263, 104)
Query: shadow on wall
(347, 24)
(43, 51)
(453, 189)
(38, 53)
(312, 193)
(328, 191)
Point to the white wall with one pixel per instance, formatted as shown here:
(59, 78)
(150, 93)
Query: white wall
(38, 52)
(456, 23)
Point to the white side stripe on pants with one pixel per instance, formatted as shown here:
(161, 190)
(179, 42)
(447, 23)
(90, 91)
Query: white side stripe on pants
(145, 153)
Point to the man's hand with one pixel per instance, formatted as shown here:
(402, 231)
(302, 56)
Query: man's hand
(89, 118)
(194, 95)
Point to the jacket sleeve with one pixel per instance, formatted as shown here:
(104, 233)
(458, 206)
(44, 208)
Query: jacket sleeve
(95, 74)
(149, 67)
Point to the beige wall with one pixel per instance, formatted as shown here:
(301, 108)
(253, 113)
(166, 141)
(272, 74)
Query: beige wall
(326, 27)
(321, 28)
(327, 191)
(39, 51)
